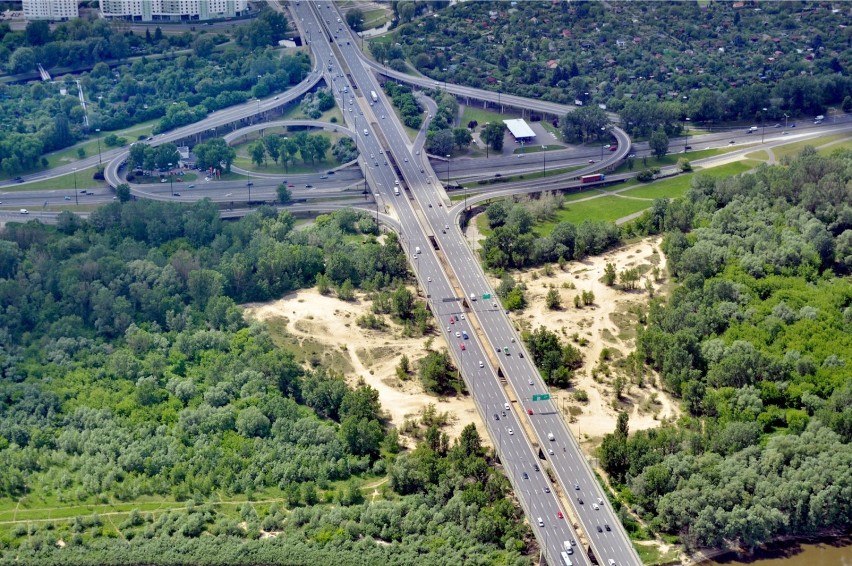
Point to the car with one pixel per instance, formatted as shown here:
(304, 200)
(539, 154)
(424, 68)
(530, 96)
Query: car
(229, 194)
(417, 152)
(277, 97)
(191, 187)
(529, 411)
(732, 142)
(496, 417)
(611, 562)
(559, 515)
(600, 530)
(526, 476)
(430, 205)
(452, 320)
(577, 486)
(792, 125)
(461, 316)
(569, 550)
(688, 147)
(177, 194)
(415, 256)
(458, 334)
(506, 350)
(550, 451)
(607, 146)
(600, 501)
(67, 197)
(777, 126)
(784, 133)
(579, 500)
(540, 522)
(530, 381)
(535, 467)
(511, 432)
(19, 179)
(520, 354)
(573, 542)
(613, 148)
(482, 365)
(591, 160)
(291, 185)
(448, 329)
(323, 176)
(461, 346)
(632, 156)
(520, 155)
(494, 304)
(428, 279)
(162, 180)
(606, 526)
(506, 406)
(546, 489)
(406, 160)
(595, 507)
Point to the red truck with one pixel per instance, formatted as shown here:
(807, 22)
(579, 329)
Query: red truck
(592, 178)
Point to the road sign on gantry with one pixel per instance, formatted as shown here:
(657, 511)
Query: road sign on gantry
(486, 296)
(541, 397)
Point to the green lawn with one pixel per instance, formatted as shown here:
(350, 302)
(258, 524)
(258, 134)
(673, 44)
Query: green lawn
(794, 148)
(483, 116)
(63, 182)
(375, 18)
(651, 555)
(671, 159)
(675, 187)
(831, 149)
(243, 160)
(608, 208)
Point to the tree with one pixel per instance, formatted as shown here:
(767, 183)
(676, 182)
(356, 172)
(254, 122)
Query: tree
(552, 300)
(659, 143)
(122, 192)
(436, 372)
(215, 153)
(402, 302)
(252, 422)
(272, 143)
(355, 19)
(283, 193)
(585, 124)
(492, 134)
(462, 137)
(628, 278)
(257, 152)
(609, 275)
(440, 142)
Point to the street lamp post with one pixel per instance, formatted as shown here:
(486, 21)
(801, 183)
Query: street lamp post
(685, 134)
(785, 120)
(98, 131)
(544, 161)
(76, 199)
(171, 180)
(448, 172)
(249, 184)
(376, 198)
(763, 125)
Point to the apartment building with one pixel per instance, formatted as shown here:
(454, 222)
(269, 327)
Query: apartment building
(172, 10)
(54, 10)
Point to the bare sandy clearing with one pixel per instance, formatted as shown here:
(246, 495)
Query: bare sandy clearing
(608, 323)
(313, 319)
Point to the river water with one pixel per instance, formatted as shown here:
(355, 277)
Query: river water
(830, 552)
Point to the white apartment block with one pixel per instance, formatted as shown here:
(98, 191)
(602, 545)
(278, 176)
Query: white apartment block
(172, 10)
(55, 10)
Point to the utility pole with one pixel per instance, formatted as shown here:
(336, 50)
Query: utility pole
(544, 162)
(98, 131)
(171, 180)
(76, 199)
(448, 172)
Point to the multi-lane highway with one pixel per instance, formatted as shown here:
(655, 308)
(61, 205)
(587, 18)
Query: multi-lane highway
(449, 274)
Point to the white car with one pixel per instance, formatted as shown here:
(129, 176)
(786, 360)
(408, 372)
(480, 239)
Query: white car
(550, 451)
(462, 316)
(511, 431)
(595, 506)
(458, 334)
(482, 365)
(448, 329)
(428, 279)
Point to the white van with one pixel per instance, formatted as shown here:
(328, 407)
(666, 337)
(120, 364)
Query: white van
(24, 211)
(366, 133)
(550, 436)
(473, 296)
(540, 522)
(820, 118)
(417, 250)
(396, 191)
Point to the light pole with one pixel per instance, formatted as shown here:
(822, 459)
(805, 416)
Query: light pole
(98, 131)
(763, 125)
(376, 198)
(544, 161)
(685, 134)
(249, 184)
(76, 199)
(448, 172)
(785, 120)
(445, 78)
(171, 180)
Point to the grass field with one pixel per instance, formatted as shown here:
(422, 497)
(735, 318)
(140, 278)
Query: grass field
(795, 147)
(375, 18)
(831, 149)
(61, 183)
(483, 116)
(671, 159)
(243, 161)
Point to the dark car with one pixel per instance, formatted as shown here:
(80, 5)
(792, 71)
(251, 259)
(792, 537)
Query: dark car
(535, 467)
(496, 417)
(606, 526)
(600, 530)
(526, 476)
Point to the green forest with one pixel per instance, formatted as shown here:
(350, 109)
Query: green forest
(756, 340)
(130, 380)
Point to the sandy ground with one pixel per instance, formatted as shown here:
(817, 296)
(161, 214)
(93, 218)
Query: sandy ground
(367, 354)
(607, 323)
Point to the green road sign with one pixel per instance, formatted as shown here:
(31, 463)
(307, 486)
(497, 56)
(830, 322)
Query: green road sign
(541, 397)
(486, 296)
